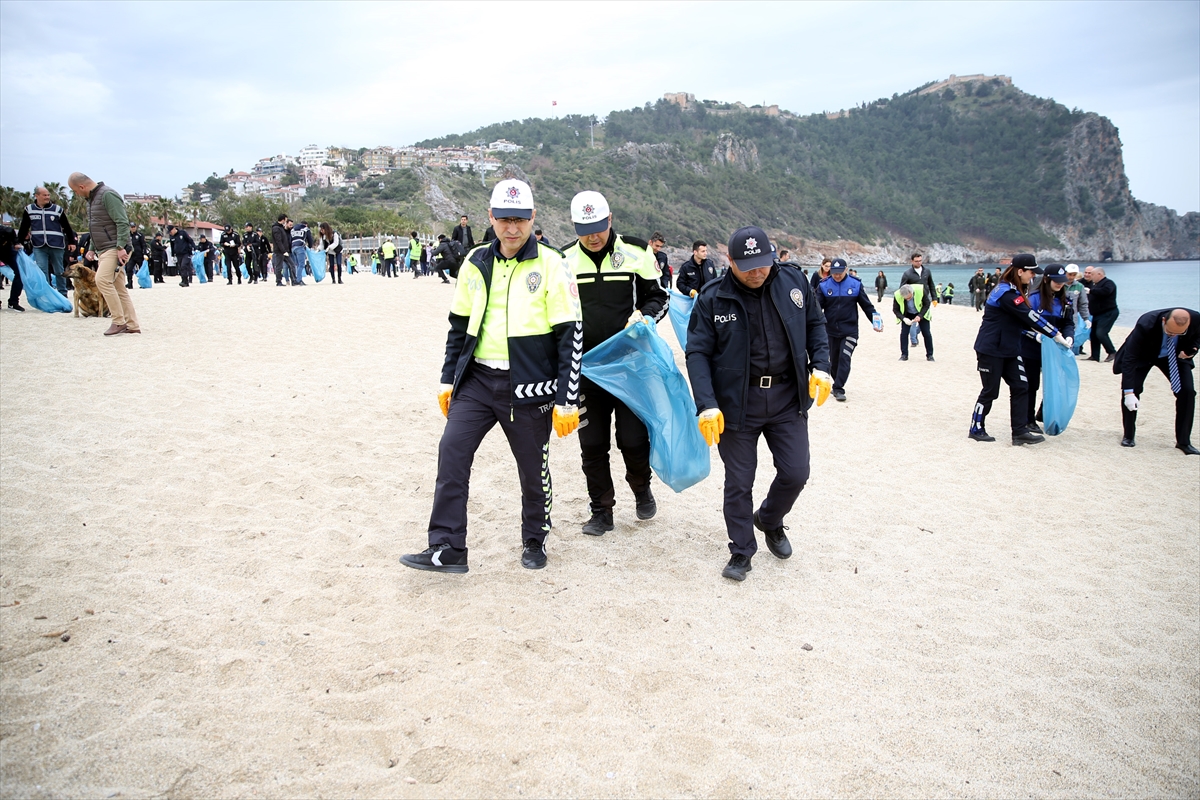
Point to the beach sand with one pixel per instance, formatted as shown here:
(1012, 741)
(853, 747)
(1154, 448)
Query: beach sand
(213, 513)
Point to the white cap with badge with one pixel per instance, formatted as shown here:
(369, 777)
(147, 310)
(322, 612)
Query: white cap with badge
(512, 199)
(589, 213)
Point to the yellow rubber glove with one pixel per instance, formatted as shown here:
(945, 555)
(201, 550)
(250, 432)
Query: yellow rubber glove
(693, 294)
(819, 386)
(712, 425)
(566, 420)
(444, 398)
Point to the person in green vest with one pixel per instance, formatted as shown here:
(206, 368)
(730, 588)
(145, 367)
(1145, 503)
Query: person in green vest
(911, 306)
(389, 258)
(948, 295)
(414, 252)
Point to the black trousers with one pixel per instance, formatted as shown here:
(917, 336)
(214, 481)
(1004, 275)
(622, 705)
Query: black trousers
(905, 333)
(484, 398)
(841, 350)
(131, 267)
(596, 411)
(14, 294)
(1102, 325)
(156, 271)
(1185, 400)
(993, 369)
(234, 265)
(774, 414)
(1031, 359)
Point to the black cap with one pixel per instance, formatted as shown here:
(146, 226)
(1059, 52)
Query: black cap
(248, 225)
(1026, 261)
(1055, 272)
(749, 248)
(837, 265)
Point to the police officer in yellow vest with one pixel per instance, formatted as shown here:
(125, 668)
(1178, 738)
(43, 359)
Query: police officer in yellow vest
(512, 357)
(618, 280)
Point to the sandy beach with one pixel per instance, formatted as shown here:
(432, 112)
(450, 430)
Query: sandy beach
(211, 514)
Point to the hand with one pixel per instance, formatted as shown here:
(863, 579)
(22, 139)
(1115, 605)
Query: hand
(444, 398)
(712, 425)
(819, 386)
(566, 420)
(1070, 342)
(90, 256)
(908, 321)
(1131, 401)
(877, 323)
(122, 257)
(693, 294)
(1058, 337)
(1037, 337)
(634, 318)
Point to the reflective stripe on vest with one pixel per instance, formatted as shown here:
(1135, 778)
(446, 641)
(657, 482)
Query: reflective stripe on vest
(44, 227)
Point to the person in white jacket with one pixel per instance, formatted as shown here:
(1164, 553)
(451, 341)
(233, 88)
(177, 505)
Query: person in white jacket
(331, 243)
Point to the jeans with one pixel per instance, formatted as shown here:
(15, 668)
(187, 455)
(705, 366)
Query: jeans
(299, 262)
(50, 259)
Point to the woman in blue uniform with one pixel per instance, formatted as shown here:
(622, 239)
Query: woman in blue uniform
(1006, 317)
(1050, 300)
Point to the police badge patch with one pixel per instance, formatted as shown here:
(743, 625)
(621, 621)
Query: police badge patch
(797, 298)
(618, 258)
(533, 281)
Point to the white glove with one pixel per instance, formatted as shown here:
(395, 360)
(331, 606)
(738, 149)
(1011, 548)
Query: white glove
(1037, 337)
(1131, 401)
(1087, 323)
(908, 321)
(634, 318)
(1058, 337)
(1070, 341)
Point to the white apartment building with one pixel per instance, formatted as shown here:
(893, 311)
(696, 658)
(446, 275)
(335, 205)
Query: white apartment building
(313, 156)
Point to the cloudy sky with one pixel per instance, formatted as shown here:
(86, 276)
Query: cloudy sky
(152, 96)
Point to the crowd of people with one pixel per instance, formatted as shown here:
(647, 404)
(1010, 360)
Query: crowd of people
(765, 341)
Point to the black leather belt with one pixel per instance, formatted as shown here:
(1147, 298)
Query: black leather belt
(767, 381)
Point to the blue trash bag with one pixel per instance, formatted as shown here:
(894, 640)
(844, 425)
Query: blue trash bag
(1060, 386)
(6, 271)
(316, 260)
(198, 266)
(680, 311)
(245, 274)
(636, 366)
(40, 294)
(224, 268)
(143, 276)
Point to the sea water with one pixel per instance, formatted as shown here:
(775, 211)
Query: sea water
(1141, 286)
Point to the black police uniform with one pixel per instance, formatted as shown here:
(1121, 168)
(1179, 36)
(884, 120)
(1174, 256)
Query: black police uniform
(137, 254)
(158, 257)
(608, 296)
(840, 300)
(1006, 317)
(231, 247)
(182, 247)
(1142, 351)
(8, 254)
(749, 353)
(695, 276)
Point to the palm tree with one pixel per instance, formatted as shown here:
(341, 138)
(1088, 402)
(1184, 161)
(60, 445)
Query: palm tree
(57, 195)
(139, 214)
(163, 208)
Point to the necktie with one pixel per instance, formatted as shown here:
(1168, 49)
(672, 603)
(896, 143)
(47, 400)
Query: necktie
(1173, 363)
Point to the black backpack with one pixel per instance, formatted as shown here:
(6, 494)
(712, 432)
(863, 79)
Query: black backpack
(457, 249)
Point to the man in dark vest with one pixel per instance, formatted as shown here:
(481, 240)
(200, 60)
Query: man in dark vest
(108, 225)
(45, 225)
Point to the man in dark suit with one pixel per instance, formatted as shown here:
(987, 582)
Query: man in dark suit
(462, 234)
(1167, 339)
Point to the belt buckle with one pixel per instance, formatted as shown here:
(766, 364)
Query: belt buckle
(764, 382)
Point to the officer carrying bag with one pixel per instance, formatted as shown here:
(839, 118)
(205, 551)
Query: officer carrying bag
(636, 366)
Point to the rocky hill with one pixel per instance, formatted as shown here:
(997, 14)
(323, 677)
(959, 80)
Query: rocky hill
(969, 169)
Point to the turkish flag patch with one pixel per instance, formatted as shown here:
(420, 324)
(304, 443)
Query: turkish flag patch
(1019, 300)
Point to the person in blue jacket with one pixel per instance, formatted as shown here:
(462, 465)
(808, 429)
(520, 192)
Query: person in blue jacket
(1006, 317)
(840, 296)
(1050, 299)
(756, 339)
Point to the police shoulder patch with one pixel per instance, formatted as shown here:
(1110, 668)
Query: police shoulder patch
(1019, 299)
(797, 298)
(533, 281)
(618, 258)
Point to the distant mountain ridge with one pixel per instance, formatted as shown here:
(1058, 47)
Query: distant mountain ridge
(968, 169)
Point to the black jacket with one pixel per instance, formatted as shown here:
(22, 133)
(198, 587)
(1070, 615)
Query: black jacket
(1145, 341)
(718, 343)
(611, 292)
(137, 247)
(281, 239)
(1006, 316)
(926, 279)
(1103, 297)
(182, 245)
(230, 242)
(459, 234)
(692, 276)
(158, 252)
(840, 301)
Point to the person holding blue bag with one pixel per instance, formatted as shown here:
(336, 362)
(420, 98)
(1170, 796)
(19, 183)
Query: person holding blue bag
(618, 281)
(182, 247)
(1055, 307)
(1006, 316)
(756, 339)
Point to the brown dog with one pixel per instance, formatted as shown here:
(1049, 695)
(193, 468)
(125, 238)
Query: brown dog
(86, 298)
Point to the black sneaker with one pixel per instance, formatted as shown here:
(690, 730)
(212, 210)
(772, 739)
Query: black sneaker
(777, 541)
(1027, 437)
(534, 554)
(839, 395)
(1033, 426)
(737, 567)
(981, 436)
(15, 306)
(646, 507)
(1127, 442)
(439, 558)
(600, 522)
(929, 358)
(904, 358)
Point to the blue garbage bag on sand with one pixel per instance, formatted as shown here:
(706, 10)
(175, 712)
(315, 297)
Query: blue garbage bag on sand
(680, 311)
(1060, 386)
(40, 294)
(636, 366)
(143, 276)
(198, 266)
(316, 260)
